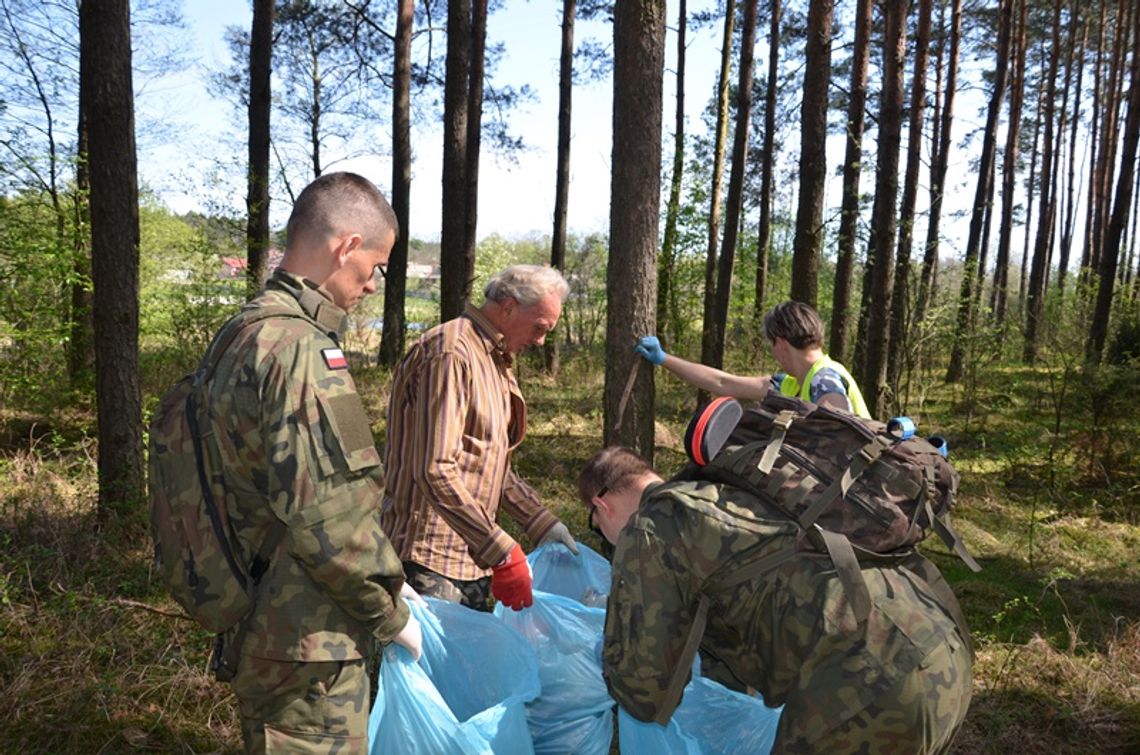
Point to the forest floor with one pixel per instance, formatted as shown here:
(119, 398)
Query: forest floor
(94, 658)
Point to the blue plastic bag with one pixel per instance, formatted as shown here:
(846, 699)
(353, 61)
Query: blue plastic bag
(467, 694)
(574, 712)
(710, 719)
(584, 578)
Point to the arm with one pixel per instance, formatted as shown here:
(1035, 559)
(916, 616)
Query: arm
(718, 382)
(521, 502)
(320, 483)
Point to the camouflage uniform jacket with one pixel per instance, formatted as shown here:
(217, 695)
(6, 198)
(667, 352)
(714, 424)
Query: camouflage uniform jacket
(790, 634)
(295, 448)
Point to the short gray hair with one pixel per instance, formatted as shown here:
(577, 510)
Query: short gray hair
(526, 284)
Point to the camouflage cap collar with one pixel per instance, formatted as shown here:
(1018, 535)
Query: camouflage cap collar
(493, 339)
(313, 301)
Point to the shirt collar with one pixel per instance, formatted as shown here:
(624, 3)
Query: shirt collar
(313, 300)
(493, 339)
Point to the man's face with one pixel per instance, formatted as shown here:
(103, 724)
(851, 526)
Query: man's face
(527, 326)
(355, 277)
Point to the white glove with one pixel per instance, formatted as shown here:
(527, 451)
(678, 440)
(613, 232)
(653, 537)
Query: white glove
(411, 637)
(560, 534)
(407, 592)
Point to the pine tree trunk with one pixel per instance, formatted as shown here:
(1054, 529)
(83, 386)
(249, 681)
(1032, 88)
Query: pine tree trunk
(81, 345)
(710, 335)
(852, 167)
(1030, 188)
(474, 131)
(764, 233)
(396, 279)
(927, 281)
(1091, 202)
(1098, 331)
(105, 77)
(666, 291)
(999, 299)
(1070, 183)
(260, 103)
(1034, 302)
(562, 176)
(635, 191)
(807, 247)
(454, 278)
(900, 298)
(732, 215)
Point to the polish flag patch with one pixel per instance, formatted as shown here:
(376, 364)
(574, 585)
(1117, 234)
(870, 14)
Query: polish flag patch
(334, 358)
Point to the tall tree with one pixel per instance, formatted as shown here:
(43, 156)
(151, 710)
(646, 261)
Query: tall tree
(260, 105)
(1106, 158)
(883, 215)
(1031, 187)
(939, 163)
(999, 295)
(709, 337)
(966, 297)
(456, 268)
(562, 177)
(476, 70)
(900, 298)
(736, 176)
(1110, 254)
(1070, 184)
(395, 323)
(1094, 197)
(1035, 294)
(852, 167)
(666, 291)
(808, 244)
(105, 77)
(764, 233)
(635, 196)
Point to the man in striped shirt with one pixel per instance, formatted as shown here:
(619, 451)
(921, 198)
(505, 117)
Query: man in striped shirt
(455, 417)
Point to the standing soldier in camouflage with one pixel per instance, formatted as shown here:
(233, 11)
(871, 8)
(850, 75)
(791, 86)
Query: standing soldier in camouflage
(898, 683)
(302, 480)
(455, 417)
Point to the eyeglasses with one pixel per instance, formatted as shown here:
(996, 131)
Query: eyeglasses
(593, 509)
(383, 274)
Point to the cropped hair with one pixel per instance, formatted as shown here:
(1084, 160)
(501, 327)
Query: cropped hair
(612, 468)
(526, 284)
(797, 323)
(338, 203)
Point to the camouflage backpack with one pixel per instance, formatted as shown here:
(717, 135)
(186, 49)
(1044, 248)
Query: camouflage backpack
(193, 541)
(859, 492)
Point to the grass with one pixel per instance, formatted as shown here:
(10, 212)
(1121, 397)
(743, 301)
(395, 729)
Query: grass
(95, 659)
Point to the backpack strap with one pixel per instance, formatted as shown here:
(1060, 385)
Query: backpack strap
(866, 456)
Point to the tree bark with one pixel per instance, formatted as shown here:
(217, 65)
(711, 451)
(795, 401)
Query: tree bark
(1070, 183)
(852, 167)
(709, 334)
(395, 281)
(260, 104)
(1000, 294)
(764, 235)
(807, 247)
(635, 197)
(105, 76)
(884, 217)
(1098, 331)
(474, 129)
(736, 176)
(562, 171)
(1035, 295)
(900, 298)
(455, 283)
(956, 367)
(666, 291)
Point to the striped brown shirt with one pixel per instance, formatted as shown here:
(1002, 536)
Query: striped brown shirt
(455, 417)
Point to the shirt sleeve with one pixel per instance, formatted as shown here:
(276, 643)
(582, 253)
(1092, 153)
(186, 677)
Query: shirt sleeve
(650, 612)
(444, 402)
(322, 481)
(825, 381)
(521, 502)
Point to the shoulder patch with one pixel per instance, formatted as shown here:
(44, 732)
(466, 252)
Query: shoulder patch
(334, 359)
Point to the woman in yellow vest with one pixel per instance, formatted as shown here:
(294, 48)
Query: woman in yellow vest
(794, 332)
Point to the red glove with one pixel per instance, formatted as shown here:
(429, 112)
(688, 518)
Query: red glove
(510, 580)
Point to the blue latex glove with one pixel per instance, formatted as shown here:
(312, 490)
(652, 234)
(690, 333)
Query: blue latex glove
(650, 348)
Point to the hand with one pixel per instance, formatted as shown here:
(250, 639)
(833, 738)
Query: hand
(510, 580)
(650, 348)
(560, 534)
(411, 637)
(407, 592)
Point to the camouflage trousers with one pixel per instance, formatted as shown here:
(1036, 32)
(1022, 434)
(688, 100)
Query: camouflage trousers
(318, 708)
(919, 715)
(474, 593)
